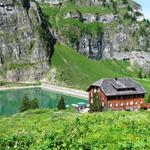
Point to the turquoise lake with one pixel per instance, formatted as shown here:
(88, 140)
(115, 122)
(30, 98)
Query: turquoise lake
(10, 100)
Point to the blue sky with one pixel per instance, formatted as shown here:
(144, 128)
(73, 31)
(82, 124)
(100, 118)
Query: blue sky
(145, 7)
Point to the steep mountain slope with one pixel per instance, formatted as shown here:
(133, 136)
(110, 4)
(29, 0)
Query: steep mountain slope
(102, 29)
(78, 71)
(25, 49)
(27, 33)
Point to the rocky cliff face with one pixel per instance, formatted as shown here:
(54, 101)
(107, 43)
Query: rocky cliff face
(24, 54)
(104, 29)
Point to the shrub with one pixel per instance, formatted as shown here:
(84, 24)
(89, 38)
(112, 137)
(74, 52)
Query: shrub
(140, 74)
(61, 104)
(148, 99)
(125, 1)
(25, 104)
(34, 104)
(129, 8)
(2, 83)
(127, 16)
(20, 142)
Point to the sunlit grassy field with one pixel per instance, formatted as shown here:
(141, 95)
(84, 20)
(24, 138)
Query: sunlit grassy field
(68, 130)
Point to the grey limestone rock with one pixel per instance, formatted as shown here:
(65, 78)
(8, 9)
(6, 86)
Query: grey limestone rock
(24, 54)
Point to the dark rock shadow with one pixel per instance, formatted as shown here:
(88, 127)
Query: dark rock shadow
(47, 34)
(26, 4)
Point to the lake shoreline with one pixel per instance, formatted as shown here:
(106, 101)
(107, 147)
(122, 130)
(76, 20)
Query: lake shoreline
(65, 90)
(52, 88)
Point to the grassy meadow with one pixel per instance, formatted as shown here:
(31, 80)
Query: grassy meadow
(79, 71)
(50, 129)
(68, 130)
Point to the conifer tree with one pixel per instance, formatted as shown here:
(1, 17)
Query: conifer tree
(34, 104)
(25, 104)
(96, 106)
(61, 104)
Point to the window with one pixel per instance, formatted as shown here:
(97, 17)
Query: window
(91, 94)
(116, 97)
(110, 105)
(116, 104)
(141, 101)
(126, 97)
(136, 103)
(91, 100)
(127, 103)
(103, 104)
(131, 103)
(121, 104)
(141, 96)
(95, 90)
(131, 96)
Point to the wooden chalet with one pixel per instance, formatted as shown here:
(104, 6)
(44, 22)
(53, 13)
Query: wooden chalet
(118, 94)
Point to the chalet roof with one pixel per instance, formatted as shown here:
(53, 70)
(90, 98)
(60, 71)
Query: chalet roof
(118, 86)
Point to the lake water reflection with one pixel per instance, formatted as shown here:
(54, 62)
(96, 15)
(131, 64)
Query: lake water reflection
(10, 100)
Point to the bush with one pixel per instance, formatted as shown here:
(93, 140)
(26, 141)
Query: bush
(34, 104)
(148, 99)
(2, 83)
(25, 104)
(140, 75)
(125, 1)
(21, 142)
(61, 104)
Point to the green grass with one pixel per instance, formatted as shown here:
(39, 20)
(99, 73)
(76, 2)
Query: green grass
(146, 84)
(79, 71)
(12, 84)
(94, 9)
(62, 130)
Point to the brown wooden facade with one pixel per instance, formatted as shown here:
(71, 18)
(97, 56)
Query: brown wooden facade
(118, 94)
(118, 103)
